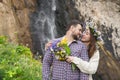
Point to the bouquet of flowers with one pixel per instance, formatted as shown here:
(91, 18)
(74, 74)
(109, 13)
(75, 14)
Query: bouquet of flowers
(61, 49)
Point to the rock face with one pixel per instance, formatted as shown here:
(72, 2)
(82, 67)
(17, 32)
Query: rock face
(14, 20)
(42, 17)
(65, 12)
(106, 13)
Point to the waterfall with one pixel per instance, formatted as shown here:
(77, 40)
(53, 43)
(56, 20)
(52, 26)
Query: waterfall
(43, 26)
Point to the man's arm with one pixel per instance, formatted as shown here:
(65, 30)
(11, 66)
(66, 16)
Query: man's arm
(84, 56)
(47, 62)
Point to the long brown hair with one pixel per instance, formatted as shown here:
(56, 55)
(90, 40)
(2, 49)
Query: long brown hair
(92, 45)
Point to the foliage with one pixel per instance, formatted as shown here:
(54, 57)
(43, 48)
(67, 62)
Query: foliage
(16, 62)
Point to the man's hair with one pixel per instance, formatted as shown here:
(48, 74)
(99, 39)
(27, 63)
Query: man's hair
(74, 23)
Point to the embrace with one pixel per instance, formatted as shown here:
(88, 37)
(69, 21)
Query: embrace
(75, 56)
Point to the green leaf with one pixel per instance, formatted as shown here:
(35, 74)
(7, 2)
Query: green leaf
(16, 66)
(73, 66)
(67, 49)
(3, 39)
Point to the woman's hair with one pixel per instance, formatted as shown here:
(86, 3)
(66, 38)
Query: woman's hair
(92, 45)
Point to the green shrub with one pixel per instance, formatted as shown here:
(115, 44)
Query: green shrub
(16, 62)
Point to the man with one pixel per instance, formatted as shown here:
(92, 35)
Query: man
(62, 70)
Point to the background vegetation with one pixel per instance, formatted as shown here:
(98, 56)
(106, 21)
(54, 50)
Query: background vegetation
(16, 62)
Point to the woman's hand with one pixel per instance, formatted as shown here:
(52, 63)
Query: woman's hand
(69, 59)
(48, 45)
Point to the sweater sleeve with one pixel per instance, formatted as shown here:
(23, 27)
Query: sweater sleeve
(88, 67)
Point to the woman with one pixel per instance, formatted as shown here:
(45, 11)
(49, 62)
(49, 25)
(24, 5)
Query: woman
(109, 67)
(90, 39)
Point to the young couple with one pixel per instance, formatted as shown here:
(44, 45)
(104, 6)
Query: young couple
(84, 55)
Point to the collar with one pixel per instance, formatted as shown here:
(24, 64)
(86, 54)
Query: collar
(72, 42)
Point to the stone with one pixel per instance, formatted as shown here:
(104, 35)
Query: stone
(106, 14)
(14, 20)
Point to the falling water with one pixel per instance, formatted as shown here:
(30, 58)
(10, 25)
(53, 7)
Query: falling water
(43, 26)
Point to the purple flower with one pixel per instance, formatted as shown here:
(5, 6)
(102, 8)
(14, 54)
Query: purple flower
(54, 44)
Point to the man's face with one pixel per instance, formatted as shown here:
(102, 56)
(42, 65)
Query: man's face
(77, 31)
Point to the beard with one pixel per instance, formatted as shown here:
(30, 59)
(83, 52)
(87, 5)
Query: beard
(75, 37)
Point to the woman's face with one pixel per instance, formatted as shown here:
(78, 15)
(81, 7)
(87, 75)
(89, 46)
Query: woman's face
(86, 36)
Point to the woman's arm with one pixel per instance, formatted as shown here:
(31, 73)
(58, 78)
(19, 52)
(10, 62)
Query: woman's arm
(86, 67)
